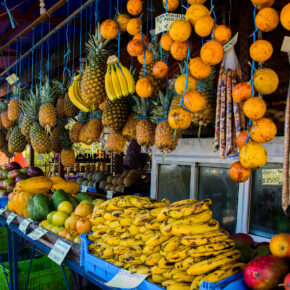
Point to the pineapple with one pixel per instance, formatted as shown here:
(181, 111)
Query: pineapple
(94, 130)
(116, 142)
(2, 140)
(55, 139)
(74, 133)
(67, 153)
(6, 122)
(17, 141)
(77, 133)
(9, 131)
(13, 110)
(6, 152)
(83, 136)
(145, 128)
(115, 114)
(70, 109)
(129, 130)
(92, 84)
(60, 107)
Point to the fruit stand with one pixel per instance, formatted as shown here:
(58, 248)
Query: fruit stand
(154, 140)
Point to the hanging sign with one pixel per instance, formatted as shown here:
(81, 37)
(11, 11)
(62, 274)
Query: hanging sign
(231, 43)
(126, 280)
(59, 251)
(2, 210)
(272, 176)
(163, 22)
(37, 233)
(10, 218)
(24, 224)
(110, 194)
(84, 188)
(12, 79)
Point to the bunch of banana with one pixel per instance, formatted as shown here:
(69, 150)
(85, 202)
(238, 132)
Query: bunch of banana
(119, 81)
(74, 93)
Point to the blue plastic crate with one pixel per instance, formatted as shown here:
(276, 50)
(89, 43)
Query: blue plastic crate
(89, 188)
(3, 201)
(103, 269)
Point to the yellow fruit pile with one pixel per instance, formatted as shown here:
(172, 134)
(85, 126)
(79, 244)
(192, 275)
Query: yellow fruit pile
(178, 245)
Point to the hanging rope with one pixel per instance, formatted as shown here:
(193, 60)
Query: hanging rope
(32, 57)
(119, 32)
(9, 14)
(81, 20)
(73, 61)
(214, 16)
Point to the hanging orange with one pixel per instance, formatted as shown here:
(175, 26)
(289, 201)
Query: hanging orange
(242, 138)
(166, 41)
(194, 101)
(242, 92)
(148, 57)
(267, 19)
(134, 26)
(179, 119)
(263, 130)
(123, 20)
(285, 16)
(144, 88)
(135, 47)
(194, 12)
(196, 1)
(212, 52)
(253, 155)
(261, 50)
(204, 25)
(180, 30)
(160, 69)
(109, 29)
(255, 108)
(222, 33)
(239, 173)
(180, 84)
(134, 7)
(263, 3)
(171, 4)
(198, 68)
(265, 81)
(179, 50)
(145, 40)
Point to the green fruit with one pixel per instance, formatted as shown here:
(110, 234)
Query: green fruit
(58, 197)
(246, 254)
(77, 240)
(66, 207)
(74, 201)
(38, 207)
(97, 201)
(84, 196)
(49, 227)
(58, 219)
(56, 229)
(49, 216)
(261, 251)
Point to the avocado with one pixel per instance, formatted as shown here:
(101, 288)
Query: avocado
(84, 196)
(74, 201)
(39, 206)
(58, 197)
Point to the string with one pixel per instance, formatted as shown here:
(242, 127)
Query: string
(144, 46)
(215, 19)
(73, 61)
(81, 19)
(9, 14)
(119, 31)
(152, 30)
(96, 13)
(32, 58)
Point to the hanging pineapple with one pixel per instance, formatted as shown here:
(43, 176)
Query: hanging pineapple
(92, 84)
(94, 129)
(67, 153)
(74, 133)
(13, 110)
(129, 129)
(2, 140)
(4, 116)
(116, 142)
(17, 141)
(77, 131)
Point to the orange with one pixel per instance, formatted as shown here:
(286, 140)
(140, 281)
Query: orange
(145, 40)
(166, 41)
(63, 233)
(144, 88)
(263, 130)
(135, 47)
(242, 138)
(280, 245)
(148, 57)
(194, 12)
(204, 25)
(160, 69)
(198, 68)
(109, 29)
(265, 81)
(242, 92)
(84, 209)
(267, 19)
(261, 50)
(222, 33)
(134, 7)
(194, 101)
(253, 155)
(134, 26)
(84, 226)
(239, 173)
(171, 4)
(255, 108)
(285, 16)
(180, 30)
(180, 83)
(179, 50)
(123, 20)
(212, 52)
(71, 222)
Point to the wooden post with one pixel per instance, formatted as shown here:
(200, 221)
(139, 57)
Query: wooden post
(60, 167)
(31, 156)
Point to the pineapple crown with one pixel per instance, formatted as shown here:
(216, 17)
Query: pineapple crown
(143, 107)
(65, 141)
(46, 91)
(162, 105)
(61, 88)
(3, 107)
(31, 104)
(155, 47)
(83, 117)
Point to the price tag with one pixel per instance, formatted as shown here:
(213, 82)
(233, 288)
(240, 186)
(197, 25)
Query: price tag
(59, 251)
(84, 188)
(272, 176)
(164, 21)
(24, 224)
(2, 210)
(12, 79)
(37, 233)
(127, 280)
(10, 218)
(110, 194)
(231, 43)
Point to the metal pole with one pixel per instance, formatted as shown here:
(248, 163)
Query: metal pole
(52, 32)
(15, 260)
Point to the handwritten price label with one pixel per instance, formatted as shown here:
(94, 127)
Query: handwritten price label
(272, 176)
(110, 194)
(164, 21)
(10, 218)
(127, 280)
(2, 210)
(37, 233)
(59, 251)
(84, 188)
(24, 224)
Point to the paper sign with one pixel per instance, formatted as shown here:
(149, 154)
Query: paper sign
(163, 22)
(59, 251)
(2, 210)
(272, 176)
(110, 194)
(84, 188)
(37, 233)
(12, 79)
(24, 224)
(127, 280)
(286, 44)
(10, 218)
(231, 43)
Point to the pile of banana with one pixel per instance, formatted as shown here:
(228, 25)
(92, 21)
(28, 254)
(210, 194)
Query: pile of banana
(74, 93)
(119, 81)
(177, 245)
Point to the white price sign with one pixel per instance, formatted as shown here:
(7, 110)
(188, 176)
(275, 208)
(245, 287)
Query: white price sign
(164, 21)
(10, 218)
(110, 194)
(59, 251)
(127, 280)
(84, 188)
(2, 210)
(37, 233)
(24, 224)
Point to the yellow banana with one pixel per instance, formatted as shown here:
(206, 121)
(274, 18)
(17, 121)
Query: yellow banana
(78, 97)
(131, 242)
(78, 77)
(157, 278)
(163, 214)
(109, 217)
(134, 230)
(186, 263)
(153, 259)
(197, 280)
(208, 265)
(126, 235)
(130, 258)
(182, 276)
(120, 250)
(113, 241)
(109, 85)
(201, 217)
(107, 253)
(136, 249)
(122, 81)
(152, 225)
(120, 229)
(101, 227)
(177, 255)
(114, 224)
(126, 221)
(140, 269)
(158, 271)
(119, 264)
(169, 274)
(129, 79)
(125, 202)
(171, 245)
(143, 230)
(97, 220)
(155, 211)
(141, 219)
(151, 250)
(179, 286)
(148, 235)
(170, 282)
(116, 83)
(74, 98)
(156, 240)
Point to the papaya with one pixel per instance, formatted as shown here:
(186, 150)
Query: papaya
(56, 179)
(39, 207)
(39, 184)
(68, 186)
(58, 197)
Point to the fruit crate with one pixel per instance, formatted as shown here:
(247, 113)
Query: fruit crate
(103, 269)
(3, 201)
(44, 273)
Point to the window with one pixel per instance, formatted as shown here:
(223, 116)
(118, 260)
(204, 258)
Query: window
(215, 183)
(266, 215)
(173, 182)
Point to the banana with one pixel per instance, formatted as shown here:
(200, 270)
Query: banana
(223, 272)
(143, 229)
(165, 229)
(140, 269)
(164, 264)
(163, 214)
(126, 235)
(179, 286)
(98, 212)
(75, 98)
(129, 79)
(118, 214)
(125, 202)
(182, 276)
(142, 202)
(143, 258)
(120, 229)
(109, 217)
(156, 240)
(197, 280)
(113, 241)
(167, 283)
(113, 207)
(130, 242)
(153, 259)
(155, 211)
(193, 229)
(129, 211)
(130, 258)
(171, 245)
(78, 77)
(134, 230)
(120, 250)
(177, 255)
(116, 83)
(122, 81)
(169, 274)
(203, 239)
(180, 203)
(158, 271)
(186, 263)
(152, 225)
(97, 220)
(150, 250)
(119, 264)
(197, 218)
(114, 224)
(109, 85)
(79, 96)
(208, 265)
(141, 219)
(139, 212)
(157, 278)
(147, 236)
(107, 253)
